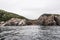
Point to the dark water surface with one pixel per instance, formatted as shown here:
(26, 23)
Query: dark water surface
(30, 33)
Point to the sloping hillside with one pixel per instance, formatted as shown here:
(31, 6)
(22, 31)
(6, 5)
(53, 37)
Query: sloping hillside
(4, 15)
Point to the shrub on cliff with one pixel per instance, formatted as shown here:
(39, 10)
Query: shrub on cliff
(4, 15)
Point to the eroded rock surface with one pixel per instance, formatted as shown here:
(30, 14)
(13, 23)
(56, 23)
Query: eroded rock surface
(57, 19)
(14, 22)
(49, 19)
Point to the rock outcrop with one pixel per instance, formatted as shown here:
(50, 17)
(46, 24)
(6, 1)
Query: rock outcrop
(49, 19)
(57, 19)
(15, 22)
(11, 19)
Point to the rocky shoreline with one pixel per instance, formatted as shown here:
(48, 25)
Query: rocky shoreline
(45, 20)
(13, 19)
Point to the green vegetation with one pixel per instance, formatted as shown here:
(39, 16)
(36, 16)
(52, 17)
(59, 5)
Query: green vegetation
(50, 14)
(4, 15)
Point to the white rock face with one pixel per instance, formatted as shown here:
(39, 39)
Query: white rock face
(22, 22)
(1, 23)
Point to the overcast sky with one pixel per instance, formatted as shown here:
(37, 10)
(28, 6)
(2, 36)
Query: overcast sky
(31, 9)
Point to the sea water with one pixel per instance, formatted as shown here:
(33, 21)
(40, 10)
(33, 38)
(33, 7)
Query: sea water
(33, 32)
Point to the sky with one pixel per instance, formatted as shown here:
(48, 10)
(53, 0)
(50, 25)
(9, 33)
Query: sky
(31, 9)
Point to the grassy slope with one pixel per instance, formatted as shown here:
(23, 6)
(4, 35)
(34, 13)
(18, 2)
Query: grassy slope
(4, 15)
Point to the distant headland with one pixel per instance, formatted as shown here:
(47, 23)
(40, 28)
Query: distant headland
(12, 19)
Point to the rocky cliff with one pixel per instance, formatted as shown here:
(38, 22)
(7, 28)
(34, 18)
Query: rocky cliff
(11, 19)
(49, 19)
